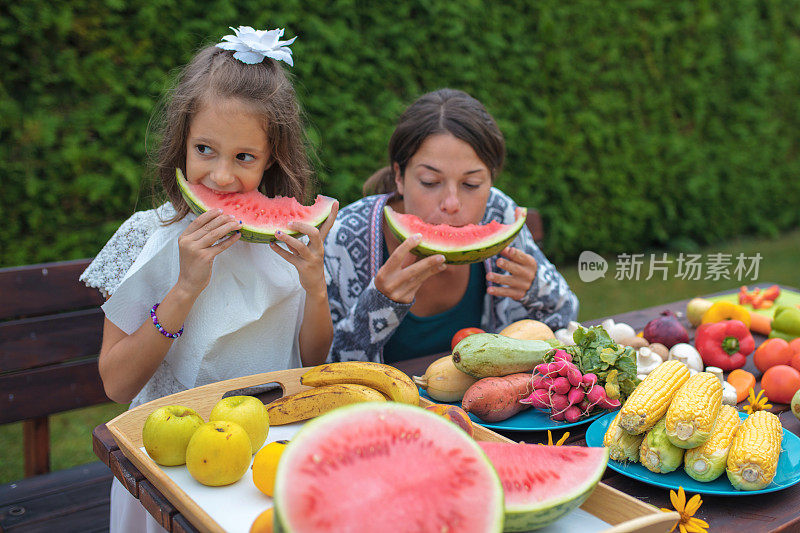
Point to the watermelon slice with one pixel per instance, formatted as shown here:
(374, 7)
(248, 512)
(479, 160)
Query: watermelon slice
(261, 216)
(544, 483)
(459, 245)
(385, 467)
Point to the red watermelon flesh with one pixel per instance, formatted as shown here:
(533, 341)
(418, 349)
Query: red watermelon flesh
(451, 237)
(385, 468)
(543, 483)
(458, 244)
(261, 216)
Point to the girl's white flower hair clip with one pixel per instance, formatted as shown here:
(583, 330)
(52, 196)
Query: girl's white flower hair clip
(252, 46)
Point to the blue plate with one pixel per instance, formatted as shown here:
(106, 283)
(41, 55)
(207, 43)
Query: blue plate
(528, 420)
(788, 472)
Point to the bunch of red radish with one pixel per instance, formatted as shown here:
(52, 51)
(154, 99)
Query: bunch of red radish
(569, 395)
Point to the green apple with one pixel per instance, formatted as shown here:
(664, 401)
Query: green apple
(218, 453)
(167, 431)
(247, 411)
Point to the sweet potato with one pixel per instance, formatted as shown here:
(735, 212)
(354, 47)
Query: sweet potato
(497, 398)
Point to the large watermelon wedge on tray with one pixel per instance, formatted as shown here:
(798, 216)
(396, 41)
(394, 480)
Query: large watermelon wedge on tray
(385, 468)
(261, 216)
(543, 483)
(459, 245)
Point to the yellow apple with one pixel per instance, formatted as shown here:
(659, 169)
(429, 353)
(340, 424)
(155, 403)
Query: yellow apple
(167, 431)
(218, 453)
(247, 411)
(695, 310)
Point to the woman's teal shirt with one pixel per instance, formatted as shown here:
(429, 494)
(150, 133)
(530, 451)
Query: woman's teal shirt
(425, 335)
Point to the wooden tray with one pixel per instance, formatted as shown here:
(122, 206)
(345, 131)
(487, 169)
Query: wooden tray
(623, 512)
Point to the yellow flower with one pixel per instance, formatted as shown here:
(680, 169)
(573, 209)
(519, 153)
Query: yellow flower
(560, 441)
(687, 523)
(756, 403)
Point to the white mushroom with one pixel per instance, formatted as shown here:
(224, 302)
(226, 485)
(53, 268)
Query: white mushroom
(728, 390)
(688, 355)
(646, 360)
(617, 331)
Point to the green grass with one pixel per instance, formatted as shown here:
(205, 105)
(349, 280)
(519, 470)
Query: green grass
(70, 439)
(71, 432)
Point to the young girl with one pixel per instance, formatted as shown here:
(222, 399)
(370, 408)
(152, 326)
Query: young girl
(387, 304)
(188, 305)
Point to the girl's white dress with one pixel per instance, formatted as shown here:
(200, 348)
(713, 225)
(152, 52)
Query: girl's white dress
(246, 320)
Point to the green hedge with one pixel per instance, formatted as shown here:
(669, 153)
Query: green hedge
(629, 124)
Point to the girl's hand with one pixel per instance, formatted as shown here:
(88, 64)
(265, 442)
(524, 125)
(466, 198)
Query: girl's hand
(197, 249)
(402, 274)
(521, 269)
(307, 259)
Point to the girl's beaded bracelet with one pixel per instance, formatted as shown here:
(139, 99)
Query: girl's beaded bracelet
(160, 328)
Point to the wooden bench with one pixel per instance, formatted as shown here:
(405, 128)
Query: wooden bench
(50, 332)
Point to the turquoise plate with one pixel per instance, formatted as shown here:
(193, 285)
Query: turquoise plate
(788, 472)
(528, 420)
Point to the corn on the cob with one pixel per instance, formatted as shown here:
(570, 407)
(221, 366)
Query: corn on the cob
(657, 453)
(753, 457)
(622, 446)
(708, 462)
(693, 411)
(649, 401)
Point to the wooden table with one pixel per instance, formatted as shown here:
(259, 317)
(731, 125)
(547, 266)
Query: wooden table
(772, 512)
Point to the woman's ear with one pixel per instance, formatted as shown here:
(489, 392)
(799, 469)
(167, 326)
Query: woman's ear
(398, 178)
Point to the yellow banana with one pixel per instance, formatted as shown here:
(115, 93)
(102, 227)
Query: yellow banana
(397, 386)
(319, 400)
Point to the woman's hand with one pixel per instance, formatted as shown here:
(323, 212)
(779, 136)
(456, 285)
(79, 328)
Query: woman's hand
(197, 249)
(402, 275)
(307, 259)
(521, 269)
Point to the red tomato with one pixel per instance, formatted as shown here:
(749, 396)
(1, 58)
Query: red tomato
(772, 352)
(795, 346)
(780, 382)
(460, 334)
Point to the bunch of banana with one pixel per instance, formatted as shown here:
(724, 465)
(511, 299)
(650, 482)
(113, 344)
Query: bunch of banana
(314, 402)
(338, 384)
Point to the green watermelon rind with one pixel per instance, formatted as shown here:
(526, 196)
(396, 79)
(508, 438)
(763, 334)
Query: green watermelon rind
(280, 522)
(249, 233)
(521, 518)
(473, 253)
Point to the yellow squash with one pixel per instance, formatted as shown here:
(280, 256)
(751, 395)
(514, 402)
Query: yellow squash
(444, 382)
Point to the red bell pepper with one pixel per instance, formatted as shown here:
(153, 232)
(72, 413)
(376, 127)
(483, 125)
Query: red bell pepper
(724, 344)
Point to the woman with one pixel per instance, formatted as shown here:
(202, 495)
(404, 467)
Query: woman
(389, 305)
